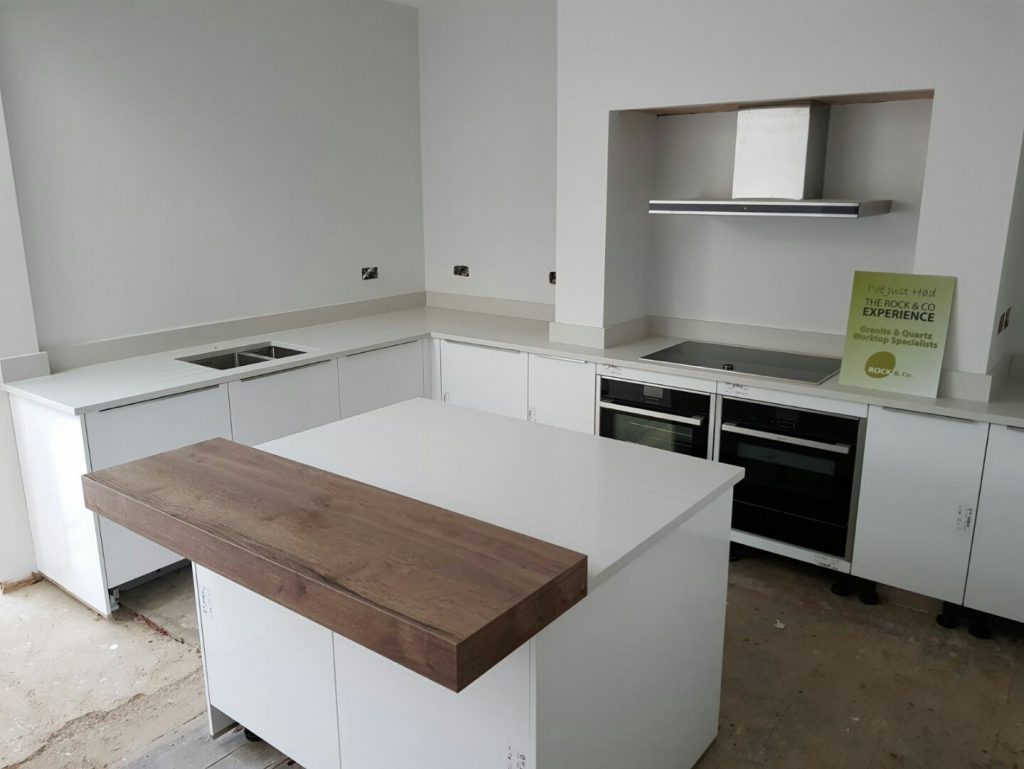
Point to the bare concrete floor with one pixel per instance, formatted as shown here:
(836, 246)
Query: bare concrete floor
(811, 680)
(814, 680)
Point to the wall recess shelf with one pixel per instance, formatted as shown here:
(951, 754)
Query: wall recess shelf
(821, 209)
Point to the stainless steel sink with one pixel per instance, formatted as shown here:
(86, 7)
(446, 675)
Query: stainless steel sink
(241, 356)
(273, 351)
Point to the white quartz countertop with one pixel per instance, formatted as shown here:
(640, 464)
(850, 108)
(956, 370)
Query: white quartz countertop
(107, 385)
(608, 499)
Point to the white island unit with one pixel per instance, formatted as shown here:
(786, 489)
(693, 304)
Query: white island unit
(630, 676)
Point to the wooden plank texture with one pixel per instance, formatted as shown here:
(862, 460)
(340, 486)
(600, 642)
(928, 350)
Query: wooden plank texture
(443, 594)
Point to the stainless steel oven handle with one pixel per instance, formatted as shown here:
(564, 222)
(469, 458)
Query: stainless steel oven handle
(696, 421)
(835, 448)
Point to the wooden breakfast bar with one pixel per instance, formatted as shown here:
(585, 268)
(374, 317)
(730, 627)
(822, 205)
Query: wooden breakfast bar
(430, 586)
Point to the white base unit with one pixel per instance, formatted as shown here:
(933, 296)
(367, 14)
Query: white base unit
(562, 392)
(269, 669)
(54, 455)
(377, 378)
(630, 676)
(392, 717)
(83, 553)
(995, 581)
(484, 378)
(270, 406)
(918, 501)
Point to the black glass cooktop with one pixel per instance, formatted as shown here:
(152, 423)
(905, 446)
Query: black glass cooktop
(750, 361)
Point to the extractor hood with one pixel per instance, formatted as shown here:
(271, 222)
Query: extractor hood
(779, 169)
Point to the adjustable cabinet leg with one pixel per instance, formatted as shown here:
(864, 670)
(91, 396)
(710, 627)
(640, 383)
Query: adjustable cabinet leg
(950, 616)
(844, 585)
(979, 625)
(737, 552)
(252, 736)
(869, 594)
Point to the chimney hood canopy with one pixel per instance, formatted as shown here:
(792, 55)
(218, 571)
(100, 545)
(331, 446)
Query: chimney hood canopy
(779, 169)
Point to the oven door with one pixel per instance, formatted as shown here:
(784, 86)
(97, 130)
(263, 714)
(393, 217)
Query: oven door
(795, 489)
(683, 435)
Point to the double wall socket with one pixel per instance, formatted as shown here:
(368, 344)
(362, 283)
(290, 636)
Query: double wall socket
(461, 270)
(369, 273)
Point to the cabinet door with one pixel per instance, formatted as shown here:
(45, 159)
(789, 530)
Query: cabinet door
(918, 495)
(269, 406)
(392, 718)
(995, 583)
(377, 378)
(562, 392)
(485, 378)
(140, 430)
(269, 668)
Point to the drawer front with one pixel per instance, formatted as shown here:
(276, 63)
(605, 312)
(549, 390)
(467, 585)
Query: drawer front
(272, 406)
(377, 378)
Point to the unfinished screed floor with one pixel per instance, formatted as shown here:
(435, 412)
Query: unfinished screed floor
(812, 681)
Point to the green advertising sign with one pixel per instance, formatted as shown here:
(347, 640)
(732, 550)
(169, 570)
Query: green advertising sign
(896, 334)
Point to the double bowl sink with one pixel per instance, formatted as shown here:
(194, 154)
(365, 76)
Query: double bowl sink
(243, 356)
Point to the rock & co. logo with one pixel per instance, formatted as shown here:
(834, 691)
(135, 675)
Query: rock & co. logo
(880, 365)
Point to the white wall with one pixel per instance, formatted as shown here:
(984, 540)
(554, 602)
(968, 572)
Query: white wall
(488, 78)
(199, 160)
(17, 337)
(785, 273)
(647, 53)
(632, 160)
(1011, 288)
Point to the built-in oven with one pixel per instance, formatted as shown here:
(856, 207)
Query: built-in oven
(801, 473)
(655, 415)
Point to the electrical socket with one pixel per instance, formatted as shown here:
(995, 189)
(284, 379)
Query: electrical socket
(462, 270)
(552, 277)
(369, 273)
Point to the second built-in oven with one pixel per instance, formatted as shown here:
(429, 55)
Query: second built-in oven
(801, 473)
(657, 416)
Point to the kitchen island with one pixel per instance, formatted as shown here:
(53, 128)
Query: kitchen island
(507, 595)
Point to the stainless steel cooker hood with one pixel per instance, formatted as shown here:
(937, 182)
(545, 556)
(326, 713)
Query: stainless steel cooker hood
(779, 169)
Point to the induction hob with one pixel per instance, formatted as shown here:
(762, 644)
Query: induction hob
(813, 369)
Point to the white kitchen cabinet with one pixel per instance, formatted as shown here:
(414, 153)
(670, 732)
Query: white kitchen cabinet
(269, 406)
(127, 433)
(484, 378)
(562, 392)
(269, 668)
(377, 378)
(918, 501)
(85, 554)
(995, 581)
(480, 727)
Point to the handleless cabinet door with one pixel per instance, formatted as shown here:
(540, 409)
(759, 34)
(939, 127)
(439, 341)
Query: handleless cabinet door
(918, 501)
(270, 406)
(562, 392)
(377, 378)
(140, 430)
(392, 718)
(995, 582)
(270, 669)
(485, 378)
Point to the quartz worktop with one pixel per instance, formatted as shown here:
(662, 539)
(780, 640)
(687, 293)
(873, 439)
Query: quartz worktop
(107, 385)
